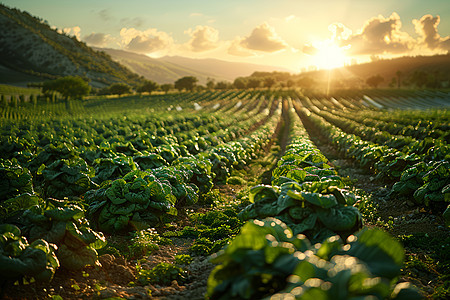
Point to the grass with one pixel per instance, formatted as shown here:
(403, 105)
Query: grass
(6, 89)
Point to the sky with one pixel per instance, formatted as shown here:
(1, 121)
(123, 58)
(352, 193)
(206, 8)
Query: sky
(293, 34)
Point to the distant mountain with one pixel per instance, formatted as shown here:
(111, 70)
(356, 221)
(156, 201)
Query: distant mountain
(226, 69)
(156, 70)
(32, 51)
(168, 69)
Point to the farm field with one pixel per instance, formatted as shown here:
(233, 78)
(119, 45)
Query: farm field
(226, 194)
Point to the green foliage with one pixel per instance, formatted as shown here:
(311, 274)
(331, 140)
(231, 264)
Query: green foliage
(148, 86)
(136, 201)
(267, 260)
(186, 83)
(20, 260)
(69, 87)
(145, 242)
(119, 89)
(67, 178)
(163, 273)
(65, 226)
(182, 259)
(14, 180)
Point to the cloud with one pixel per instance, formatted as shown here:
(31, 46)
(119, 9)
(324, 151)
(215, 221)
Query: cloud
(310, 50)
(203, 38)
(426, 27)
(98, 39)
(148, 41)
(264, 38)
(75, 31)
(236, 49)
(379, 35)
(195, 14)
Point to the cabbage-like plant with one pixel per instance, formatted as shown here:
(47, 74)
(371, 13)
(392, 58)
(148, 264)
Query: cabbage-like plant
(266, 260)
(138, 199)
(65, 226)
(20, 260)
(67, 178)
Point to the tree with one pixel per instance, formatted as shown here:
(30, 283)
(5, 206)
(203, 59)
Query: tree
(210, 83)
(119, 89)
(254, 82)
(148, 86)
(186, 83)
(374, 80)
(223, 85)
(269, 81)
(166, 87)
(240, 83)
(68, 87)
(399, 75)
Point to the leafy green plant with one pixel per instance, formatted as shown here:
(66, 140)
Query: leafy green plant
(67, 178)
(316, 214)
(138, 200)
(267, 260)
(112, 168)
(22, 261)
(14, 180)
(146, 241)
(163, 273)
(65, 226)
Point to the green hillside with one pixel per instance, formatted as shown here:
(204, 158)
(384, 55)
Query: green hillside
(32, 51)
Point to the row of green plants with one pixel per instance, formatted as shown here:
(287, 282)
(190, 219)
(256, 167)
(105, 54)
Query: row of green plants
(429, 186)
(301, 241)
(134, 201)
(421, 127)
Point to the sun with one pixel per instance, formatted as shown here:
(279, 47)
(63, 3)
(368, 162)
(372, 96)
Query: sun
(329, 55)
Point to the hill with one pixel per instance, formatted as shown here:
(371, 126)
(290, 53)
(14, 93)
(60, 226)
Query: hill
(156, 70)
(30, 50)
(413, 70)
(168, 69)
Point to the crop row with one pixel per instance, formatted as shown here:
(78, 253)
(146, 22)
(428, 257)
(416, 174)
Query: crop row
(61, 231)
(426, 177)
(273, 256)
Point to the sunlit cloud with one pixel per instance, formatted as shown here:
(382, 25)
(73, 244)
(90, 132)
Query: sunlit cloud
(75, 31)
(264, 38)
(426, 27)
(203, 38)
(196, 14)
(289, 18)
(236, 49)
(98, 39)
(380, 35)
(148, 41)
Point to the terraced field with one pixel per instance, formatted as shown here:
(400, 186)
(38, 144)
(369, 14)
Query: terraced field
(226, 195)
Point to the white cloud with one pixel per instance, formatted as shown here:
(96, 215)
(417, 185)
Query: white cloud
(379, 35)
(236, 49)
(75, 31)
(426, 27)
(148, 41)
(98, 39)
(203, 38)
(264, 38)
